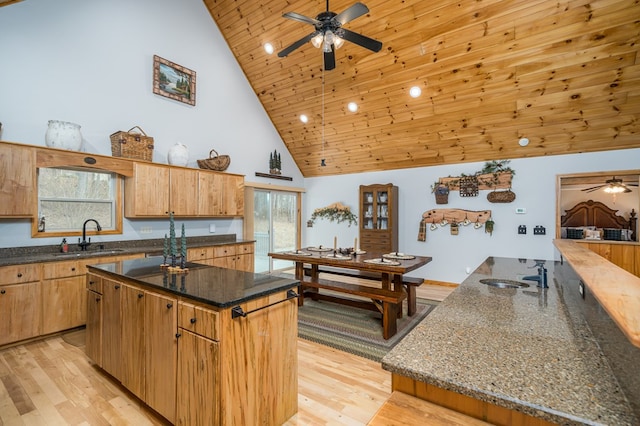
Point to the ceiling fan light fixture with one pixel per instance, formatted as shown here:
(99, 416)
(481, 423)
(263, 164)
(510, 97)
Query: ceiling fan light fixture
(317, 40)
(337, 41)
(615, 189)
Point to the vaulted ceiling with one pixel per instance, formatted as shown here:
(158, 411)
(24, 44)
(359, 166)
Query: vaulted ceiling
(563, 74)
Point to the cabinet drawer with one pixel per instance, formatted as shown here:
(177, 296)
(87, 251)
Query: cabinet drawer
(244, 248)
(198, 320)
(17, 274)
(222, 251)
(200, 253)
(94, 283)
(61, 269)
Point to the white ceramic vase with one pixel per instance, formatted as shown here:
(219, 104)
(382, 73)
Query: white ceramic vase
(178, 155)
(63, 135)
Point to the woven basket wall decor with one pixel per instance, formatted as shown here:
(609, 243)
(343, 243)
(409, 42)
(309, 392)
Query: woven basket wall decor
(501, 196)
(218, 162)
(442, 194)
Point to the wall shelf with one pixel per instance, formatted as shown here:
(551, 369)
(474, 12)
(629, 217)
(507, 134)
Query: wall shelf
(268, 175)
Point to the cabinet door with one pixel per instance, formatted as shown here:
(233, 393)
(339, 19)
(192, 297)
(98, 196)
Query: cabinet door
(183, 195)
(64, 304)
(19, 312)
(233, 195)
(244, 262)
(147, 192)
(220, 194)
(17, 181)
(161, 353)
(132, 301)
(111, 325)
(198, 381)
(93, 334)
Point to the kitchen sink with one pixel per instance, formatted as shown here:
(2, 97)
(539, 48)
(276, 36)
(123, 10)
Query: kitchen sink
(89, 253)
(501, 283)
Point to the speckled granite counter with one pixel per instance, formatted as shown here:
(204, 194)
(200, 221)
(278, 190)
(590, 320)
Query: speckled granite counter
(219, 287)
(36, 254)
(521, 349)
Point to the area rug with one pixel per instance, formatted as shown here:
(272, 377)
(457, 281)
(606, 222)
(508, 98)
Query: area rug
(354, 330)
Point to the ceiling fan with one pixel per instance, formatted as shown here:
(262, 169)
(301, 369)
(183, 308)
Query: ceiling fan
(329, 34)
(614, 186)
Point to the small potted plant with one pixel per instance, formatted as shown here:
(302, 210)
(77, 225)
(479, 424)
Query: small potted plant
(441, 191)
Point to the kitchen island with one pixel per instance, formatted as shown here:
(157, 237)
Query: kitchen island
(209, 346)
(512, 355)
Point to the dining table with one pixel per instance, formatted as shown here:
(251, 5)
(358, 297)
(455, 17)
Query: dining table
(389, 267)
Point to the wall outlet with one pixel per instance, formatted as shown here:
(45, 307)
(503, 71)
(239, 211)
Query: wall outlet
(539, 230)
(212, 228)
(146, 230)
(521, 210)
(522, 229)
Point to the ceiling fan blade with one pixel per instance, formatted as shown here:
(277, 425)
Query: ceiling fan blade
(297, 44)
(627, 190)
(353, 12)
(300, 18)
(593, 188)
(359, 39)
(329, 59)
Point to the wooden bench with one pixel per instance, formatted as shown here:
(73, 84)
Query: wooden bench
(409, 283)
(385, 301)
(402, 409)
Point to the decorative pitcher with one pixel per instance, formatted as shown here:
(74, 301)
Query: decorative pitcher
(63, 135)
(178, 155)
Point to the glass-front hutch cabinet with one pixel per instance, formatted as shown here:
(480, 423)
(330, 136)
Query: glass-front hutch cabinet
(379, 218)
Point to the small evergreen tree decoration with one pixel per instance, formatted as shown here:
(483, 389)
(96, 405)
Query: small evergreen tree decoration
(165, 250)
(183, 249)
(172, 238)
(275, 165)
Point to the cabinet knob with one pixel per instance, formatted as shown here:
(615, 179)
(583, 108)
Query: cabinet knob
(73, 269)
(98, 299)
(117, 287)
(178, 335)
(169, 305)
(193, 320)
(19, 274)
(91, 283)
(140, 295)
(3, 291)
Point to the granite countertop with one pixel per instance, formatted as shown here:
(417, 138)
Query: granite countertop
(219, 287)
(516, 348)
(37, 254)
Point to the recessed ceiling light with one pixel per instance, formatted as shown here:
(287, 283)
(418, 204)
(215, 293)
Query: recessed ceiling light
(415, 91)
(304, 118)
(523, 142)
(268, 47)
(353, 107)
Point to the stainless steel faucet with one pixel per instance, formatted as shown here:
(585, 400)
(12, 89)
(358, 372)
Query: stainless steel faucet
(541, 278)
(84, 243)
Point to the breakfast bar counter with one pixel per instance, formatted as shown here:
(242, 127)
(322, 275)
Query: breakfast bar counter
(520, 354)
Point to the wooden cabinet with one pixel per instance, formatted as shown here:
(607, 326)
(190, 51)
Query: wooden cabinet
(111, 325)
(20, 308)
(231, 256)
(220, 194)
(64, 304)
(132, 334)
(379, 218)
(93, 334)
(622, 254)
(155, 190)
(17, 181)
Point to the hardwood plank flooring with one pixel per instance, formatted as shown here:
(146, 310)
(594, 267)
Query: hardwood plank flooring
(52, 382)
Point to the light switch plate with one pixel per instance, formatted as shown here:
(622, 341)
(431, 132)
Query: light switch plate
(212, 228)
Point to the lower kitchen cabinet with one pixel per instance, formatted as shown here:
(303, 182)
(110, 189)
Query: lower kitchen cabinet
(20, 307)
(231, 256)
(198, 380)
(110, 330)
(132, 334)
(93, 334)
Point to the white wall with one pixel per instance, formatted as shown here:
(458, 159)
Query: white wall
(90, 62)
(535, 187)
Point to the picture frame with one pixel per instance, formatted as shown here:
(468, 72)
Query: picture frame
(174, 81)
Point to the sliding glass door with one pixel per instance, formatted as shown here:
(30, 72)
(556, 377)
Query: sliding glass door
(276, 227)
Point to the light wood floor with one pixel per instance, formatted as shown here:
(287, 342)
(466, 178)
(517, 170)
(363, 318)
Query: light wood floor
(51, 382)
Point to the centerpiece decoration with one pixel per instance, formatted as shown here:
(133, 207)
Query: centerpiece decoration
(337, 212)
(170, 249)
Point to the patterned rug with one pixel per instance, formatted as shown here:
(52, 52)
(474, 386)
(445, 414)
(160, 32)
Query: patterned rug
(354, 330)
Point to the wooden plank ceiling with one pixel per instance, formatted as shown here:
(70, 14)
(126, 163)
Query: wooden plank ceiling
(564, 74)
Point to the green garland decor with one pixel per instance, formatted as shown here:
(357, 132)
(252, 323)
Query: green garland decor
(335, 212)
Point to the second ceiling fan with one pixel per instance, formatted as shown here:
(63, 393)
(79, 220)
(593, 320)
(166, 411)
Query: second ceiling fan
(329, 34)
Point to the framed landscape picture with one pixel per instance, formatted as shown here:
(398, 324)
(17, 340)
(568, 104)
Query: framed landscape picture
(174, 81)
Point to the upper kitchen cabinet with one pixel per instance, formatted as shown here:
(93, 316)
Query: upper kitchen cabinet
(155, 190)
(220, 194)
(17, 181)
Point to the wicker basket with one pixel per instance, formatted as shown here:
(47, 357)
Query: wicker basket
(132, 145)
(442, 194)
(218, 162)
(501, 196)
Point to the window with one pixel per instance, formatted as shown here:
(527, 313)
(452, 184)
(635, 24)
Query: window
(68, 197)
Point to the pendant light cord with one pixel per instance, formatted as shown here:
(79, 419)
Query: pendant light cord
(322, 162)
